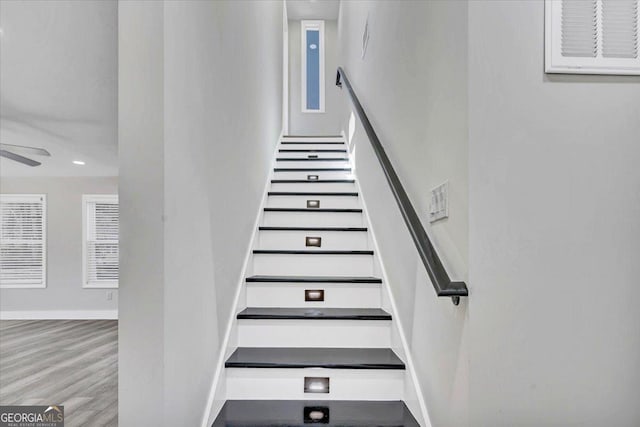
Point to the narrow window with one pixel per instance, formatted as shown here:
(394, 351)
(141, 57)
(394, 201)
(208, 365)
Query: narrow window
(592, 36)
(312, 66)
(100, 249)
(23, 241)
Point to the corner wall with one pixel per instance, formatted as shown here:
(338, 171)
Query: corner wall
(220, 65)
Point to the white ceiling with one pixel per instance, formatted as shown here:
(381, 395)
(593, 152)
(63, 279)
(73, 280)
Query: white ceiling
(313, 9)
(58, 85)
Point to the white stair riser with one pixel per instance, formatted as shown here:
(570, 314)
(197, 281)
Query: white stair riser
(313, 219)
(312, 138)
(305, 155)
(343, 240)
(314, 333)
(342, 202)
(313, 164)
(343, 295)
(312, 265)
(319, 186)
(344, 384)
(341, 146)
(321, 174)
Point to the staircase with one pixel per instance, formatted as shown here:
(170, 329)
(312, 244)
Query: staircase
(314, 338)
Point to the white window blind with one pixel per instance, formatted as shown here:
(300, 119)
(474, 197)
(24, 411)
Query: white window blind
(101, 231)
(23, 241)
(592, 36)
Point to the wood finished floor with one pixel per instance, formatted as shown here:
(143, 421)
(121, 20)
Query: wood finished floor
(68, 362)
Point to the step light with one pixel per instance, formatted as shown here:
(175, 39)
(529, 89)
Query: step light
(316, 415)
(312, 177)
(313, 241)
(311, 295)
(312, 156)
(314, 204)
(316, 385)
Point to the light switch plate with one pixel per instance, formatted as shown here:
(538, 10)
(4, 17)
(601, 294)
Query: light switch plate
(439, 206)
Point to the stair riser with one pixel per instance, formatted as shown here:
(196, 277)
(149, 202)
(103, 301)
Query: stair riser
(305, 155)
(314, 333)
(345, 384)
(319, 146)
(313, 219)
(341, 240)
(343, 202)
(321, 174)
(294, 138)
(320, 186)
(313, 265)
(313, 164)
(343, 295)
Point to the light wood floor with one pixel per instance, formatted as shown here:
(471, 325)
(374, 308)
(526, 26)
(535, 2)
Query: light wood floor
(68, 362)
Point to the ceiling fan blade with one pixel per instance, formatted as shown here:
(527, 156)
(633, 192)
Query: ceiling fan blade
(24, 149)
(18, 158)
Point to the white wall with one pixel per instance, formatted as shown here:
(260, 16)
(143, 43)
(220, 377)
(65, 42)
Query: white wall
(327, 123)
(221, 95)
(412, 84)
(554, 238)
(64, 295)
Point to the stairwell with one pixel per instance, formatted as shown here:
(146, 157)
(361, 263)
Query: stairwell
(314, 339)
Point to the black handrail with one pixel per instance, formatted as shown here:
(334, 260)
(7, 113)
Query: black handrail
(441, 282)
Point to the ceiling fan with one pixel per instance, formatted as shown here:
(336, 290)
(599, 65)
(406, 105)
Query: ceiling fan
(10, 151)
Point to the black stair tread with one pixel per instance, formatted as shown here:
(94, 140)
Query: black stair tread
(317, 357)
(321, 150)
(291, 413)
(348, 210)
(311, 252)
(312, 136)
(312, 142)
(316, 159)
(264, 228)
(325, 313)
(312, 279)
(311, 169)
(312, 193)
(307, 181)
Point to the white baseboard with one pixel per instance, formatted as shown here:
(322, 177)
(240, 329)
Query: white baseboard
(59, 315)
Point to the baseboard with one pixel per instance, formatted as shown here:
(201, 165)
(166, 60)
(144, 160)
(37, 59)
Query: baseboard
(59, 315)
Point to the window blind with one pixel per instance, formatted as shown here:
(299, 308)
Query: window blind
(22, 240)
(592, 36)
(101, 241)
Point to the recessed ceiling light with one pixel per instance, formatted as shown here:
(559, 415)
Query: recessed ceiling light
(78, 162)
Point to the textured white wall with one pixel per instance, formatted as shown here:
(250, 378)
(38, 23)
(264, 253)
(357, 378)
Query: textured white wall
(554, 237)
(219, 96)
(327, 123)
(64, 290)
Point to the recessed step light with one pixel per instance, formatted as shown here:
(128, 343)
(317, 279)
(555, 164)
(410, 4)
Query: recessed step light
(78, 162)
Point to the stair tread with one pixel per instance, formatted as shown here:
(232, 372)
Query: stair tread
(302, 150)
(325, 313)
(312, 142)
(320, 357)
(264, 228)
(312, 279)
(307, 181)
(345, 413)
(313, 210)
(312, 252)
(306, 159)
(312, 193)
(312, 169)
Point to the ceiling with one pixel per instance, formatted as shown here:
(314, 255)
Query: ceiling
(58, 85)
(313, 9)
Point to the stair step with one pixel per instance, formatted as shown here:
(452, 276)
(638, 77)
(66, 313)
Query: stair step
(313, 193)
(313, 210)
(310, 252)
(319, 159)
(312, 169)
(330, 358)
(306, 181)
(314, 313)
(312, 239)
(312, 279)
(312, 143)
(296, 413)
(312, 228)
(319, 150)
